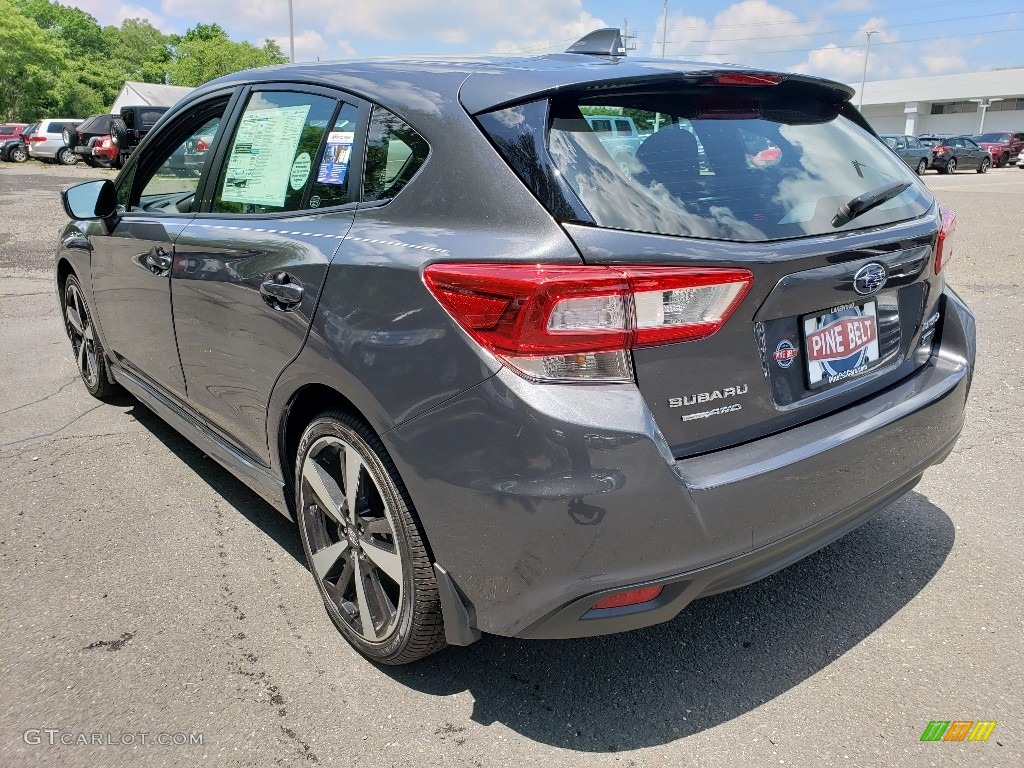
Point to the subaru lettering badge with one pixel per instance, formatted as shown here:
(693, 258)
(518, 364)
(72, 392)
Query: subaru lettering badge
(869, 278)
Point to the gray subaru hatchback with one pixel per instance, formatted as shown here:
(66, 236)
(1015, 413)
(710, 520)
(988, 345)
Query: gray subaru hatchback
(508, 371)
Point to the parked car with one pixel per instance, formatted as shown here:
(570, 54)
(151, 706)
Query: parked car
(13, 148)
(619, 135)
(501, 385)
(11, 130)
(959, 152)
(915, 154)
(1020, 160)
(91, 141)
(47, 141)
(1004, 146)
(134, 124)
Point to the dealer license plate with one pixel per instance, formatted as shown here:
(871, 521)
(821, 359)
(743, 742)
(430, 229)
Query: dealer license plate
(841, 343)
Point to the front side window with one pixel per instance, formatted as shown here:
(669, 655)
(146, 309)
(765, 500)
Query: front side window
(274, 153)
(171, 187)
(755, 165)
(394, 153)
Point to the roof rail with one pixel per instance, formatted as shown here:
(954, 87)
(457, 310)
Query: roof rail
(600, 42)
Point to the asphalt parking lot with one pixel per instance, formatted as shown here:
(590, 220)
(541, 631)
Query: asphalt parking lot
(144, 590)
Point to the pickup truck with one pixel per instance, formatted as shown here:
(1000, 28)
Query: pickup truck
(619, 136)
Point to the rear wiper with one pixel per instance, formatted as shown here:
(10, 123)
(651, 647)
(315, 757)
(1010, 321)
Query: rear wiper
(863, 203)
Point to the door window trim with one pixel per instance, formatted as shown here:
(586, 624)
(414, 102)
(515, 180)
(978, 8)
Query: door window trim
(158, 140)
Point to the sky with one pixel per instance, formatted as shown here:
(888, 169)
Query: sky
(824, 37)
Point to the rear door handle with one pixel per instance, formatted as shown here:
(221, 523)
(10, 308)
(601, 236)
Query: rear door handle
(281, 291)
(158, 260)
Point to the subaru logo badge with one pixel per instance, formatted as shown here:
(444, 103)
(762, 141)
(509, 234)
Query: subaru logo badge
(869, 278)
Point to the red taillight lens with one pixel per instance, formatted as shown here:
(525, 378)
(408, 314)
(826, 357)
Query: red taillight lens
(36, 139)
(743, 78)
(202, 146)
(630, 597)
(943, 247)
(552, 322)
(940, 150)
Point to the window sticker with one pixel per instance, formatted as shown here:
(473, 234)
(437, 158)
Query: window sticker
(334, 168)
(261, 157)
(300, 171)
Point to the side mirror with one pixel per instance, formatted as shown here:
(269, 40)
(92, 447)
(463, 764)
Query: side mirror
(90, 200)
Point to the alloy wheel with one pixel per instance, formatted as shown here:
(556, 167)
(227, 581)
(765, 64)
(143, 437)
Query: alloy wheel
(922, 167)
(351, 537)
(80, 331)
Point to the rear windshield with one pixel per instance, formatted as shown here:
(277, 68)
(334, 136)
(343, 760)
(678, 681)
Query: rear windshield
(993, 138)
(749, 166)
(7, 130)
(96, 124)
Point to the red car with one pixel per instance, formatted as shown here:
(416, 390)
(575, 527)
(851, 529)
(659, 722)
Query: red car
(1004, 146)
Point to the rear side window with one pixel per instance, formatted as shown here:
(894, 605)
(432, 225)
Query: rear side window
(737, 164)
(394, 153)
(272, 158)
(6, 130)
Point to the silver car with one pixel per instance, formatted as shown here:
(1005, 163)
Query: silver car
(47, 141)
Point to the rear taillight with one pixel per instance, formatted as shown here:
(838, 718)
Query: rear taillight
(36, 139)
(940, 150)
(743, 78)
(943, 247)
(572, 323)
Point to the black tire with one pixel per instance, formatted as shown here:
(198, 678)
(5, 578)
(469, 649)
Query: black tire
(118, 162)
(1004, 160)
(92, 162)
(65, 156)
(349, 538)
(18, 155)
(950, 166)
(70, 138)
(85, 342)
(922, 166)
(985, 163)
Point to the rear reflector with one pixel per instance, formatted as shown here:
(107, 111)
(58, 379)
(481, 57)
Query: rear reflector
(630, 597)
(571, 323)
(943, 247)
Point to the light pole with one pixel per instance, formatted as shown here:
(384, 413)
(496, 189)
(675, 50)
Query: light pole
(664, 29)
(291, 31)
(983, 107)
(864, 76)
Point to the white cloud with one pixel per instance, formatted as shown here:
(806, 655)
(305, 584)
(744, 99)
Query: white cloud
(481, 26)
(311, 46)
(107, 13)
(740, 34)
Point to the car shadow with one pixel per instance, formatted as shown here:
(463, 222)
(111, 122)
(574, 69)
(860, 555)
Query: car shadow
(251, 506)
(721, 657)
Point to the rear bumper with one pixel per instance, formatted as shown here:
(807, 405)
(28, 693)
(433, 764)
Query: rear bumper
(556, 496)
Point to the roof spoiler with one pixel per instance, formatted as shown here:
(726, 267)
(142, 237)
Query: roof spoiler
(600, 42)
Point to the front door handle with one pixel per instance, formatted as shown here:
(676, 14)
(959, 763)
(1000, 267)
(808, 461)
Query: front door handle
(281, 291)
(158, 260)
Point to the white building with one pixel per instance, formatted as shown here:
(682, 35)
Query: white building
(147, 95)
(952, 104)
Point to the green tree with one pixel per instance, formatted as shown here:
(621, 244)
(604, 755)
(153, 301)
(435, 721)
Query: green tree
(140, 51)
(29, 57)
(205, 52)
(80, 32)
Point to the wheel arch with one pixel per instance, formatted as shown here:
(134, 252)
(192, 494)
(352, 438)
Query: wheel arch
(304, 405)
